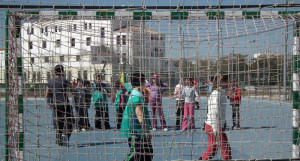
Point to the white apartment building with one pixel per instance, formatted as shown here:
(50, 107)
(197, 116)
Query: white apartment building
(87, 47)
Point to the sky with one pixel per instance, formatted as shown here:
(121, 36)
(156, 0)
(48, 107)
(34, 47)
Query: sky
(232, 40)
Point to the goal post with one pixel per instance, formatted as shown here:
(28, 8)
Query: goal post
(14, 134)
(106, 40)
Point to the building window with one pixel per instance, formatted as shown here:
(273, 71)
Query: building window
(77, 57)
(32, 60)
(161, 38)
(70, 28)
(85, 26)
(46, 29)
(61, 58)
(39, 76)
(42, 30)
(30, 46)
(152, 38)
(44, 45)
(85, 75)
(60, 29)
(74, 27)
(72, 42)
(88, 41)
(79, 74)
(123, 40)
(32, 31)
(118, 40)
(46, 59)
(57, 43)
(90, 25)
(102, 32)
(55, 28)
(48, 75)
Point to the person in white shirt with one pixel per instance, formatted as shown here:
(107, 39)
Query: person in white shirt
(179, 103)
(215, 123)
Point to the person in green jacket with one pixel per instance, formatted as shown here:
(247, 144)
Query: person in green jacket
(100, 104)
(120, 102)
(136, 123)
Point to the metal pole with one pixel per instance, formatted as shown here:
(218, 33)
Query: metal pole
(6, 88)
(295, 118)
(285, 57)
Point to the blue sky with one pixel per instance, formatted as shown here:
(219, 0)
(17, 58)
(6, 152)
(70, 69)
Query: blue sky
(249, 44)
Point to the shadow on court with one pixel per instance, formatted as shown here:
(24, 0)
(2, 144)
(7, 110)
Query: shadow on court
(98, 143)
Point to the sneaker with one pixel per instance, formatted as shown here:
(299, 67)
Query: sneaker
(64, 140)
(154, 129)
(237, 128)
(76, 130)
(165, 129)
(84, 130)
(183, 130)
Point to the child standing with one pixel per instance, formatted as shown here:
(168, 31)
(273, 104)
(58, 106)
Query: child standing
(100, 103)
(215, 123)
(87, 103)
(79, 106)
(120, 102)
(156, 89)
(179, 104)
(190, 96)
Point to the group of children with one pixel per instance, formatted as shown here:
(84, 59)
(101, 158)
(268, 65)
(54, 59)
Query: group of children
(83, 95)
(187, 98)
(131, 101)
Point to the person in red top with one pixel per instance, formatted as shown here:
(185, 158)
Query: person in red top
(235, 101)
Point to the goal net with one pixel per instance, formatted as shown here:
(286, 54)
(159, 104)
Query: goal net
(256, 48)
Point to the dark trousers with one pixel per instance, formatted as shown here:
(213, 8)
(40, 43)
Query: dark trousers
(140, 150)
(86, 117)
(106, 118)
(53, 117)
(179, 113)
(80, 114)
(197, 105)
(64, 121)
(120, 112)
(236, 115)
(100, 119)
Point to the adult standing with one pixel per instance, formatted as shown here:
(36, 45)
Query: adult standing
(216, 123)
(156, 89)
(59, 88)
(136, 123)
(235, 101)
